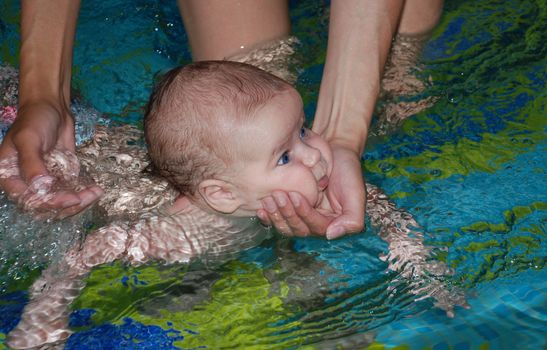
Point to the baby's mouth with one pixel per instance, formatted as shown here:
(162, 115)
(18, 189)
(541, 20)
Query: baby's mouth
(322, 176)
(323, 182)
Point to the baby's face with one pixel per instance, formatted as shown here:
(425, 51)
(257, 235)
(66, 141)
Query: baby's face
(279, 153)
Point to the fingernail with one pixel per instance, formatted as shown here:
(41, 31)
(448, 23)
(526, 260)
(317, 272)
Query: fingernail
(260, 214)
(280, 199)
(335, 232)
(295, 199)
(269, 204)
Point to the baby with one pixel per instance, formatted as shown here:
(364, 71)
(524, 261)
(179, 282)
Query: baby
(225, 135)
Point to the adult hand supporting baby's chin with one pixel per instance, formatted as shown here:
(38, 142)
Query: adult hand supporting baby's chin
(292, 215)
(39, 128)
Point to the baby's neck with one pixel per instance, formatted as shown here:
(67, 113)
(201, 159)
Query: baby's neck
(223, 234)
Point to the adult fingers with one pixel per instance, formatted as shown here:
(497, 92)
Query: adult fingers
(86, 198)
(292, 215)
(316, 222)
(59, 201)
(296, 225)
(63, 204)
(276, 219)
(264, 217)
(31, 163)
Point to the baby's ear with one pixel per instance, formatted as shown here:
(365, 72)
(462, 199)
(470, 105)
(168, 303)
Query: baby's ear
(219, 195)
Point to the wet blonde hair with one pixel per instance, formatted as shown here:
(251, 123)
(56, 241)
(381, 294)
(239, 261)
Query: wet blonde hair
(190, 115)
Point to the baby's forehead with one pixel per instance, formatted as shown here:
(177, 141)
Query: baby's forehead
(234, 120)
(289, 97)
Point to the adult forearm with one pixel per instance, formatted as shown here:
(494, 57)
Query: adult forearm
(47, 35)
(360, 34)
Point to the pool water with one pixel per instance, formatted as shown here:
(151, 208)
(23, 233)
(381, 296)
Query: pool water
(470, 169)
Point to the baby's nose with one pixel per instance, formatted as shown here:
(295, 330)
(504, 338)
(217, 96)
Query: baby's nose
(310, 155)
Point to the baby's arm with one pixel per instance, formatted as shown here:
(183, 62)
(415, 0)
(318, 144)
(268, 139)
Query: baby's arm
(45, 317)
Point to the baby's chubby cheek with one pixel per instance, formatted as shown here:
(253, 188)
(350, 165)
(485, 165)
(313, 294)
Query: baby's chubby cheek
(313, 197)
(308, 190)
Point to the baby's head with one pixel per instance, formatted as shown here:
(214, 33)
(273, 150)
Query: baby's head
(227, 134)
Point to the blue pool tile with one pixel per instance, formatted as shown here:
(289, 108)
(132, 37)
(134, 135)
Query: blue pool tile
(522, 291)
(436, 317)
(508, 298)
(130, 335)
(539, 313)
(424, 329)
(502, 310)
(461, 327)
(530, 295)
(11, 306)
(441, 346)
(487, 332)
(462, 346)
(81, 318)
(399, 326)
(527, 316)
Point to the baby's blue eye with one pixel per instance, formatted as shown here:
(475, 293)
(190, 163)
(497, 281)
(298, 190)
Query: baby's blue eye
(303, 132)
(284, 159)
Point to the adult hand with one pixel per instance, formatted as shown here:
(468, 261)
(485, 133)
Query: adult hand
(292, 215)
(347, 193)
(38, 129)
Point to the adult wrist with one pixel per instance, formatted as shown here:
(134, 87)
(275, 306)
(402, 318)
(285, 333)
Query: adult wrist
(355, 145)
(42, 89)
(58, 104)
